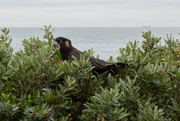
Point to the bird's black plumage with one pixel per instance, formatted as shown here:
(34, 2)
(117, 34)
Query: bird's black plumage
(67, 50)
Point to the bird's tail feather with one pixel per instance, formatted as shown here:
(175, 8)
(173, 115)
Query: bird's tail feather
(117, 67)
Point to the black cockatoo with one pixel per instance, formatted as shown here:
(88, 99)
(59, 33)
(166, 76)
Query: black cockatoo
(99, 66)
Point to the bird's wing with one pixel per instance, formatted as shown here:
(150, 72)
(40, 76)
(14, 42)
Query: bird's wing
(75, 52)
(98, 64)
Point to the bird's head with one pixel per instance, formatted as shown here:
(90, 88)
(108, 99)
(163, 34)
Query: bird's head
(62, 44)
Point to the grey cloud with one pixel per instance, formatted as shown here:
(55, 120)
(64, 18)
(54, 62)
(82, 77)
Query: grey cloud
(89, 12)
(112, 4)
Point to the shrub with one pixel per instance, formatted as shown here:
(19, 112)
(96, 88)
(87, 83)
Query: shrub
(35, 84)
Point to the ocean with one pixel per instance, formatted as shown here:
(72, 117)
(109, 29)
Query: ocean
(105, 41)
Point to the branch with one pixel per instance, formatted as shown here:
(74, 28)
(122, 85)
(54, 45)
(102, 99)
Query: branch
(43, 62)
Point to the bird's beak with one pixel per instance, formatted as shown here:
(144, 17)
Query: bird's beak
(56, 45)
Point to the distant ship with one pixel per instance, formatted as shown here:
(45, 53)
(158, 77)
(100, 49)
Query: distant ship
(146, 26)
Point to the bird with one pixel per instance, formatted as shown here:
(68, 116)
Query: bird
(67, 51)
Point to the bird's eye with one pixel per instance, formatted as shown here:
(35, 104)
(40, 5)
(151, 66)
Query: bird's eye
(60, 41)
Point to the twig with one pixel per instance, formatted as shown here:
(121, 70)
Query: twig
(166, 118)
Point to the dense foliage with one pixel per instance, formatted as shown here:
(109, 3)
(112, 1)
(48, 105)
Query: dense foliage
(36, 85)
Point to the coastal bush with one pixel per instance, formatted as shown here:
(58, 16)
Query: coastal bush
(37, 85)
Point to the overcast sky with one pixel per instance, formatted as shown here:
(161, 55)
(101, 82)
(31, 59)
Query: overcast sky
(89, 13)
